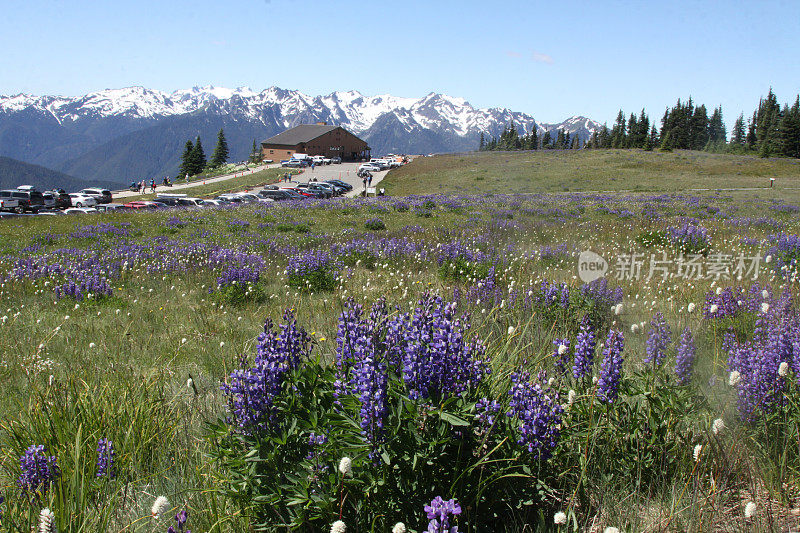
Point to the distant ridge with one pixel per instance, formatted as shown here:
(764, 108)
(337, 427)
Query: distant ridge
(14, 173)
(133, 133)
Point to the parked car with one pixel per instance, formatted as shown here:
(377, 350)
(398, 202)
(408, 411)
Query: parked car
(341, 184)
(49, 200)
(338, 189)
(213, 203)
(171, 202)
(274, 195)
(61, 199)
(336, 160)
(319, 192)
(327, 186)
(21, 201)
(80, 211)
(369, 167)
(302, 192)
(111, 208)
(235, 198)
(82, 200)
(141, 204)
(191, 202)
(293, 163)
(103, 196)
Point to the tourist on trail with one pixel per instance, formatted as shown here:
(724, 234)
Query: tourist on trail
(369, 180)
(152, 185)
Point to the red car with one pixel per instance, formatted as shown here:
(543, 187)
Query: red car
(141, 204)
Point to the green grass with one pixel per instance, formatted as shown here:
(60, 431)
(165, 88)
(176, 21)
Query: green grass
(248, 181)
(120, 366)
(591, 170)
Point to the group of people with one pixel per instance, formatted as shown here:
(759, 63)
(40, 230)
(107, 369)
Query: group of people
(141, 186)
(367, 180)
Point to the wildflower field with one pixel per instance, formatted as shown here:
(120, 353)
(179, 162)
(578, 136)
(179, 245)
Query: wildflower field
(416, 363)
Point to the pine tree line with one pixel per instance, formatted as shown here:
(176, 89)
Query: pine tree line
(510, 139)
(193, 159)
(772, 130)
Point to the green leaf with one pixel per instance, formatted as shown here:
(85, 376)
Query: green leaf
(452, 419)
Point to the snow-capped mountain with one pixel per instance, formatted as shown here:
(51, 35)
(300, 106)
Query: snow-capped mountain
(116, 134)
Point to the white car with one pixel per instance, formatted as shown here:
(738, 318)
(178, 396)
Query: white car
(369, 167)
(82, 200)
(212, 203)
(80, 211)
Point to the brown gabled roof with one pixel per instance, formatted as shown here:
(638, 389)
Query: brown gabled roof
(300, 134)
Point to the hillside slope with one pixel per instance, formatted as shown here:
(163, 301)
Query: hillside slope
(14, 173)
(591, 170)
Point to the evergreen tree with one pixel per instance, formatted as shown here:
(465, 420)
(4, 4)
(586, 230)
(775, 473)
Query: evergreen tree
(738, 133)
(716, 128)
(186, 160)
(752, 138)
(220, 156)
(789, 131)
(604, 138)
(618, 139)
(560, 139)
(198, 157)
(533, 139)
(255, 155)
(652, 139)
(546, 140)
(698, 126)
(482, 143)
(666, 141)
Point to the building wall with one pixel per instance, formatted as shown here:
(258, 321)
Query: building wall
(277, 152)
(336, 143)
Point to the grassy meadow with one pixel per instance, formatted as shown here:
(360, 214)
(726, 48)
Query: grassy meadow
(591, 170)
(125, 326)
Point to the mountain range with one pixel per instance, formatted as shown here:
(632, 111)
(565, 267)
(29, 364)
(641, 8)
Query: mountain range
(119, 135)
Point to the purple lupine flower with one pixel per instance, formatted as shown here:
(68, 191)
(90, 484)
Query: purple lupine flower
(105, 459)
(689, 237)
(437, 361)
(761, 383)
(362, 366)
(601, 294)
(658, 340)
(181, 518)
(304, 264)
(439, 514)
(611, 367)
(538, 412)
(317, 452)
(584, 350)
(252, 392)
(561, 354)
(237, 276)
(485, 411)
(38, 470)
(685, 358)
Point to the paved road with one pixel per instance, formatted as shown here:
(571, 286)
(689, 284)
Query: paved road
(345, 172)
(125, 193)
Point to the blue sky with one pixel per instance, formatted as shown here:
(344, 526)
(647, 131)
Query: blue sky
(549, 59)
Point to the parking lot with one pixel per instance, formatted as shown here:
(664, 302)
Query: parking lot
(347, 172)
